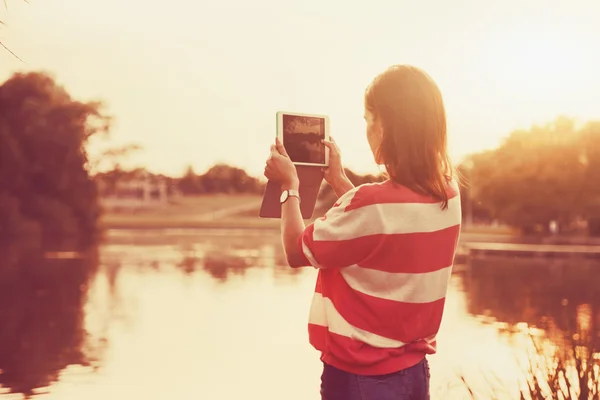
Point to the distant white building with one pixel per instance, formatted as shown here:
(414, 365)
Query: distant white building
(137, 190)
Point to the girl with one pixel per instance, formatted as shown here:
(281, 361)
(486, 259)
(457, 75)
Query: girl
(384, 251)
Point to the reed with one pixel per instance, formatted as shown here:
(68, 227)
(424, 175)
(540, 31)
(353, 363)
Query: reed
(568, 370)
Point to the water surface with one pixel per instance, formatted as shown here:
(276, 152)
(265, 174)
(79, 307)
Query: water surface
(216, 315)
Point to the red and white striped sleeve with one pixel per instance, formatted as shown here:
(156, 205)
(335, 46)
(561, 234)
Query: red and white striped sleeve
(330, 242)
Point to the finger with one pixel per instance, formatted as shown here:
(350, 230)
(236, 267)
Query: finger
(329, 144)
(333, 148)
(274, 150)
(280, 147)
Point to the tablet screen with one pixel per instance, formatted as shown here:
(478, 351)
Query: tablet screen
(302, 138)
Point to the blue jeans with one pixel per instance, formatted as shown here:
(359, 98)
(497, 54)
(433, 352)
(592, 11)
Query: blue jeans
(409, 384)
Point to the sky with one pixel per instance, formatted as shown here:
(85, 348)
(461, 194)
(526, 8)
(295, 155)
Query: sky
(198, 82)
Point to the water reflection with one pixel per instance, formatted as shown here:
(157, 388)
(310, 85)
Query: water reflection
(221, 256)
(220, 265)
(223, 262)
(551, 295)
(58, 307)
(177, 315)
(42, 299)
(552, 308)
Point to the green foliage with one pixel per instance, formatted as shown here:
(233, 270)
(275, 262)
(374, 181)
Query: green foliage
(539, 175)
(45, 185)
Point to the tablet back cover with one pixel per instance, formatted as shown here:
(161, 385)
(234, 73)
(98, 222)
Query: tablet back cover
(310, 178)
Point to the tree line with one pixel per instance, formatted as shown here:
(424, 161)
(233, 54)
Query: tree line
(220, 178)
(538, 176)
(547, 174)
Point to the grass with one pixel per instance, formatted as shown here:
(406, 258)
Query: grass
(196, 212)
(199, 205)
(127, 222)
(241, 212)
(189, 212)
(553, 372)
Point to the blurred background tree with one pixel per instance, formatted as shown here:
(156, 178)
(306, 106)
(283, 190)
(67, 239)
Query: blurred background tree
(536, 176)
(45, 183)
(547, 173)
(220, 178)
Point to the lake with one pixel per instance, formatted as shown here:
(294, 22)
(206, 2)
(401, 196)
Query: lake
(182, 314)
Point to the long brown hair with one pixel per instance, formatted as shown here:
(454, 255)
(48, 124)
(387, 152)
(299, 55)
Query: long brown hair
(410, 108)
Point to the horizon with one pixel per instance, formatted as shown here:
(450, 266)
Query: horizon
(188, 80)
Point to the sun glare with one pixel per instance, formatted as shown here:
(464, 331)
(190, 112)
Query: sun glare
(536, 59)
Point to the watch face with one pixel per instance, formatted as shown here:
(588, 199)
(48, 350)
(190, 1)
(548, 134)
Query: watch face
(284, 196)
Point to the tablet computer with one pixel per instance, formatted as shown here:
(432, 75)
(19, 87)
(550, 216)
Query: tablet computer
(302, 136)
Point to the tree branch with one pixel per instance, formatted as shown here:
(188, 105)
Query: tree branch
(11, 52)
(2, 44)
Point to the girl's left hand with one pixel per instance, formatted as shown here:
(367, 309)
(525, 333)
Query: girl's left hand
(280, 168)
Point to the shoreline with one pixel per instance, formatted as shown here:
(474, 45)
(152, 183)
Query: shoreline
(467, 236)
(192, 224)
(245, 223)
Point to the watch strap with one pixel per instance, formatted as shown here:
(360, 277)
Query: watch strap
(290, 193)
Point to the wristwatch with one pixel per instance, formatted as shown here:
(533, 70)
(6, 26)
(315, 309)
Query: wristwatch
(286, 194)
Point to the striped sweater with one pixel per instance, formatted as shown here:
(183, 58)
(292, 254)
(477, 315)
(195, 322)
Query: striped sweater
(384, 255)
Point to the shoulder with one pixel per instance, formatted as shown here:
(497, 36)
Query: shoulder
(383, 195)
(359, 196)
(388, 192)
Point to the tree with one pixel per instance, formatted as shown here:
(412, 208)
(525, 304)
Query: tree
(472, 210)
(45, 184)
(111, 158)
(190, 182)
(539, 175)
(589, 137)
(220, 178)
